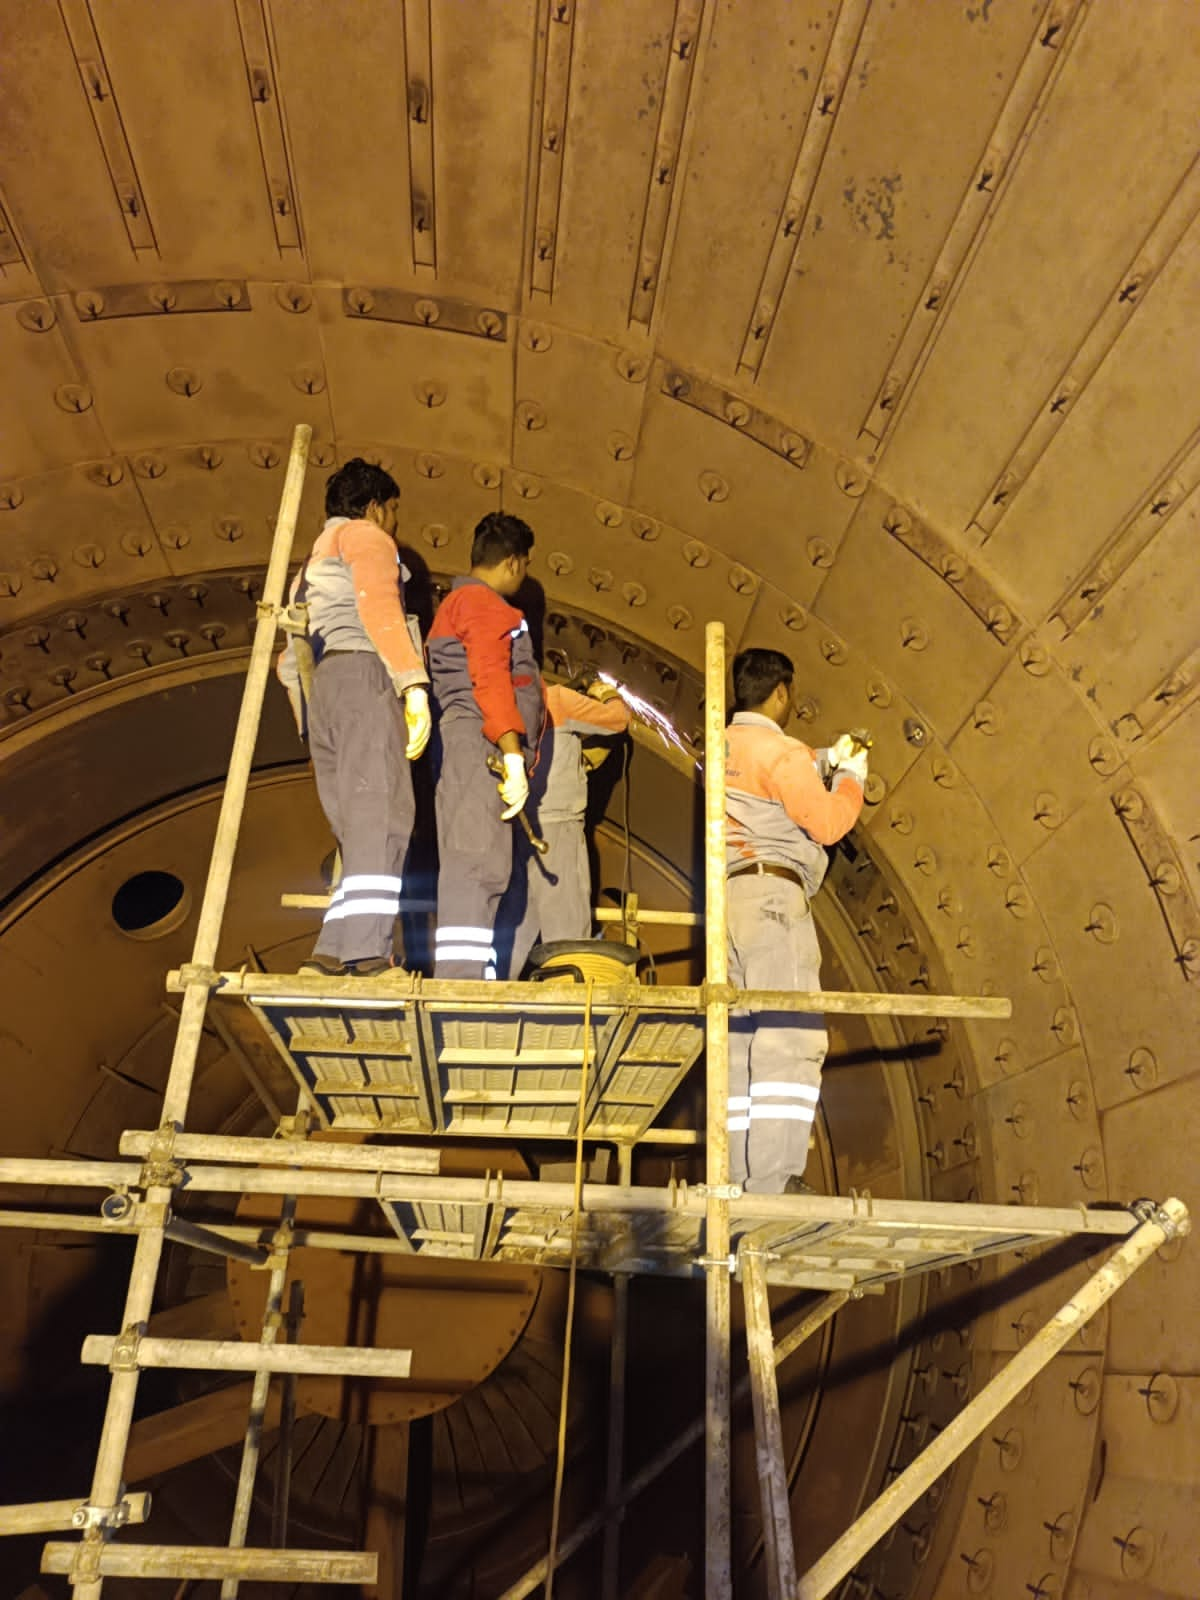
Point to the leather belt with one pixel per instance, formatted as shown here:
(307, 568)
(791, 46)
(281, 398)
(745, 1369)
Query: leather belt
(767, 869)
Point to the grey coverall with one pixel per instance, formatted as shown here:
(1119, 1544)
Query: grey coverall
(485, 683)
(365, 656)
(779, 816)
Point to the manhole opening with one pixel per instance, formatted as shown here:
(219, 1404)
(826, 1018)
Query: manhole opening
(150, 904)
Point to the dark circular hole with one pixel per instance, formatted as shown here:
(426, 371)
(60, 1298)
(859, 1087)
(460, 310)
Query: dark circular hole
(149, 903)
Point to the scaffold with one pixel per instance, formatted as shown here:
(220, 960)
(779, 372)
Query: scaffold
(417, 1063)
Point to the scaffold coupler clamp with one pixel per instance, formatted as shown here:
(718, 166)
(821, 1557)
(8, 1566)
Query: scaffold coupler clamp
(161, 1169)
(103, 1519)
(125, 1349)
(718, 1191)
(717, 1263)
(1154, 1211)
(194, 972)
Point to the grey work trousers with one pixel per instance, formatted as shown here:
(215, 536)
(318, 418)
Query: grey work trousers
(475, 854)
(558, 889)
(775, 1057)
(357, 740)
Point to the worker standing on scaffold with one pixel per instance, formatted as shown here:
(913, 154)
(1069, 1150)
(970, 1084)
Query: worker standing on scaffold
(557, 886)
(779, 817)
(358, 687)
(489, 698)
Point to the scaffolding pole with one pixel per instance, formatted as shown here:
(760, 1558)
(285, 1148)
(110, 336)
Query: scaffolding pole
(88, 1572)
(1160, 1224)
(260, 1393)
(768, 1430)
(718, 1575)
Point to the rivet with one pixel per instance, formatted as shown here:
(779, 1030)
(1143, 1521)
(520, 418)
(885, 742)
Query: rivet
(490, 324)
(850, 479)
(999, 621)
(1017, 900)
(1079, 1099)
(645, 528)
(1047, 810)
(897, 521)
(608, 514)
(999, 861)
(600, 579)
(1047, 1587)
(11, 496)
(1142, 1068)
(74, 397)
(794, 618)
(677, 385)
(213, 632)
(1161, 1395)
(430, 393)
(88, 555)
(1034, 658)
(38, 638)
(184, 381)
(875, 789)
(697, 554)
(900, 821)
(965, 943)
(137, 543)
(560, 563)
(796, 448)
(1022, 1326)
(429, 466)
(944, 774)
(713, 487)
(1010, 1446)
(1061, 1531)
(1137, 1552)
(820, 553)
(1102, 924)
(264, 454)
(308, 379)
(914, 635)
(1064, 1026)
(807, 708)
(924, 860)
(99, 663)
(178, 640)
(529, 488)
(322, 455)
(1045, 964)
(436, 534)
(878, 693)
(633, 594)
(741, 581)
(229, 529)
(680, 618)
(36, 316)
(209, 457)
(360, 301)
(737, 413)
(633, 368)
(1018, 1118)
(952, 567)
(1128, 804)
(984, 717)
(162, 296)
(537, 337)
(833, 651)
(619, 446)
(139, 649)
(44, 568)
(10, 585)
(1090, 1168)
(105, 474)
(1165, 878)
(531, 416)
(63, 677)
(995, 1511)
(89, 304)
(227, 293)
(486, 475)
(294, 297)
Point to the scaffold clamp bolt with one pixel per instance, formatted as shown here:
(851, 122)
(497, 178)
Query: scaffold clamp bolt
(106, 1518)
(722, 1263)
(124, 1356)
(1152, 1211)
(718, 1191)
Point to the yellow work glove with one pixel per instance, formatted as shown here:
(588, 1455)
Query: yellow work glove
(846, 754)
(513, 786)
(417, 720)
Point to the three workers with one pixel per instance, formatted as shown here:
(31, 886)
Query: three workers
(779, 817)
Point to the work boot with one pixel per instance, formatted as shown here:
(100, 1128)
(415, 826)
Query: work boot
(326, 966)
(368, 967)
(797, 1185)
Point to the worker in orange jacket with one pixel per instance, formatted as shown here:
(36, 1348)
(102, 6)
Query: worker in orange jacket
(358, 688)
(780, 817)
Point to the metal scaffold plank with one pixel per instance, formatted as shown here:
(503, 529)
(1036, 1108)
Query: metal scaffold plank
(200, 1561)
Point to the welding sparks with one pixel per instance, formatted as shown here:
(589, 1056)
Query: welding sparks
(645, 712)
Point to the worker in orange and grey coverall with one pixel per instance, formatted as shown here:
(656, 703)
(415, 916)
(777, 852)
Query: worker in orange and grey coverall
(780, 816)
(366, 715)
(558, 885)
(490, 702)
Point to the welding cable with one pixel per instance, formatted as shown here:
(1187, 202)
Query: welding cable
(573, 1272)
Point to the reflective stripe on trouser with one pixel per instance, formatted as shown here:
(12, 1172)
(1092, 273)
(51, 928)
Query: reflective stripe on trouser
(556, 890)
(475, 855)
(775, 1057)
(357, 740)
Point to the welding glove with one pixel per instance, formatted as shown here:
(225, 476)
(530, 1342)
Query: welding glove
(599, 690)
(417, 720)
(847, 755)
(513, 786)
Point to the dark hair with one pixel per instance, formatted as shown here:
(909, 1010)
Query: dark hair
(352, 488)
(756, 673)
(498, 536)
